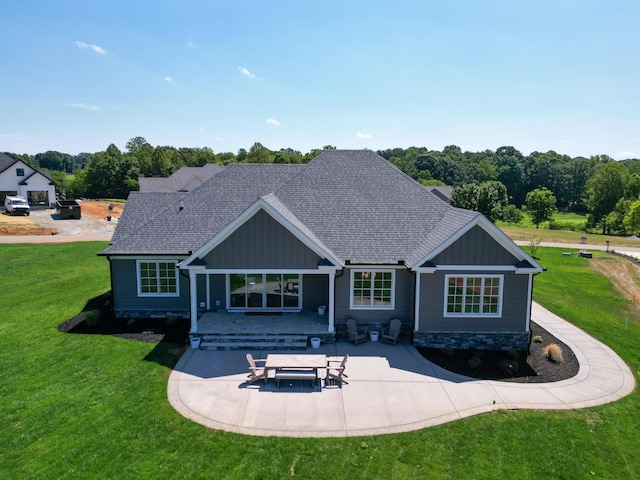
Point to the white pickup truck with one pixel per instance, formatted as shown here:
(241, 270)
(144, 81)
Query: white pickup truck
(16, 205)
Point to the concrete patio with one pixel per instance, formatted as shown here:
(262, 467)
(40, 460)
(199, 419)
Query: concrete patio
(391, 389)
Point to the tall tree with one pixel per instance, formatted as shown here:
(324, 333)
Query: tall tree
(605, 188)
(488, 198)
(541, 205)
(258, 153)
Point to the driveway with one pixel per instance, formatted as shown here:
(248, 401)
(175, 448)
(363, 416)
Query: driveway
(391, 389)
(90, 227)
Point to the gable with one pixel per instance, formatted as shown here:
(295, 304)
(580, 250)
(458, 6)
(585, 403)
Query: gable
(261, 243)
(9, 176)
(475, 247)
(36, 179)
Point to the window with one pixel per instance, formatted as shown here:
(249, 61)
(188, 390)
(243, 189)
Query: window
(264, 291)
(372, 289)
(157, 278)
(473, 295)
(20, 172)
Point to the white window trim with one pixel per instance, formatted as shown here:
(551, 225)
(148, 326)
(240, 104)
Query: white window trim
(392, 271)
(479, 314)
(156, 261)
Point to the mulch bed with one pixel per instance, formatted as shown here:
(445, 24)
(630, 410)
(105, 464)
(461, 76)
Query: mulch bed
(97, 319)
(520, 367)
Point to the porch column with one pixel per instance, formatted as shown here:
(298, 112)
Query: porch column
(193, 295)
(332, 319)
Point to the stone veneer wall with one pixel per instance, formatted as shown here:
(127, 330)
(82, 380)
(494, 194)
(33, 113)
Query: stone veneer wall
(469, 340)
(152, 314)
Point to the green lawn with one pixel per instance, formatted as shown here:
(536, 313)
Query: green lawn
(90, 406)
(526, 230)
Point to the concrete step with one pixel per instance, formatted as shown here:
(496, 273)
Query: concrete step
(253, 342)
(253, 345)
(254, 338)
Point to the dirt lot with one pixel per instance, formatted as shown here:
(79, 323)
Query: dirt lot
(48, 222)
(624, 274)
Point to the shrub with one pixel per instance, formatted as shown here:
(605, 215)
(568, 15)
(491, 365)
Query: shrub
(448, 352)
(513, 354)
(172, 321)
(537, 339)
(92, 318)
(475, 362)
(553, 353)
(534, 243)
(572, 226)
(509, 367)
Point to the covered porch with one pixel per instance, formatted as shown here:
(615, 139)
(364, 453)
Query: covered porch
(235, 323)
(223, 330)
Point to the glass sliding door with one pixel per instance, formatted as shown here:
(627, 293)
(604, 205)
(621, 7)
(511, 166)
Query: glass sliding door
(291, 293)
(264, 291)
(274, 290)
(237, 291)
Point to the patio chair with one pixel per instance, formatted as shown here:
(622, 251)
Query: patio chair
(391, 334)
(256, 373)
(354, 333)
(335, 371)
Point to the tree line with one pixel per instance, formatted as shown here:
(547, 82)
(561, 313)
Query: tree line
(498, 183)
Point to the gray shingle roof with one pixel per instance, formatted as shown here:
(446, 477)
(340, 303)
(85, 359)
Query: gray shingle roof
(186, 178)
(353, 203)
(5, 162)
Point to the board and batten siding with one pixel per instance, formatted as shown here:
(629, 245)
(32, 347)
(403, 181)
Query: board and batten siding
(432, 300)
(125, 291)
(262, 243)
(476, 247)
(403, 306)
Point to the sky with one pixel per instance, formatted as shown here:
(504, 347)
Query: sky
(562, 75)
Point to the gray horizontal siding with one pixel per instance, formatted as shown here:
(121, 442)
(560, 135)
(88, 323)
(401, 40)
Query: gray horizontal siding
(262, 243)
(403, 307)
(514, 305)
(476, 247)
(125, 291)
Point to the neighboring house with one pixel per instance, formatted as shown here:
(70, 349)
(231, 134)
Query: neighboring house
(18, 178)
(182, 180)
(348, 230)
(443, 192)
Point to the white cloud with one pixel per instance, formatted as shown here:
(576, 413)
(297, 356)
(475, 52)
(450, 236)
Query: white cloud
(246, 72)
(95, 48)
(169, 80)
(190, 44)
(84, 106)
(273, 121)
(363, 135)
